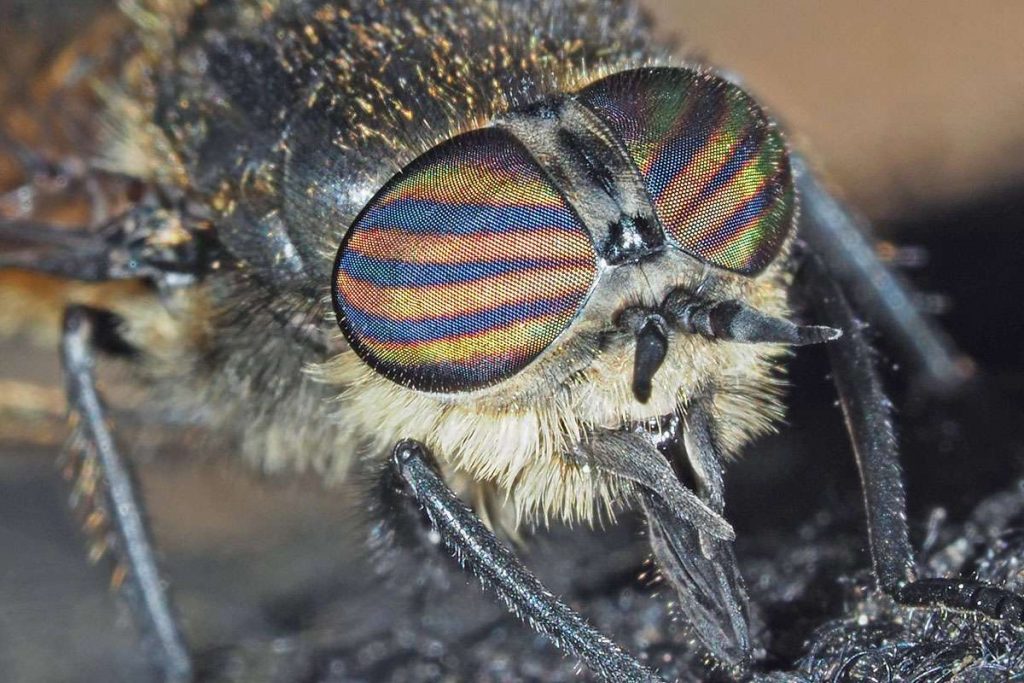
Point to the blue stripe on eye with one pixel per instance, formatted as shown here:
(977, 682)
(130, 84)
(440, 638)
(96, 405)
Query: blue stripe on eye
(397, 273)
(385, 330)
(744, 152)
(678, 153)
(446, 218)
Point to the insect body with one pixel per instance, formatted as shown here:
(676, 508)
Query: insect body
(563, 274)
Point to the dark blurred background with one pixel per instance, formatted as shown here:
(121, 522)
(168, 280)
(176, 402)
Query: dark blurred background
(914, 110)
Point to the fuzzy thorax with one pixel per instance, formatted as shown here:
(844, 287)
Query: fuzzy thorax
(515, 436)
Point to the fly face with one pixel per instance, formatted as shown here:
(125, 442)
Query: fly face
(589, 263)
(491, 250)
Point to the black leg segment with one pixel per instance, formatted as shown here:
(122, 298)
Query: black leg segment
(120, 499)
(71, 253)
(869, 422)
(142, 243)
(965, 594)
(498, 569)
(868, 414)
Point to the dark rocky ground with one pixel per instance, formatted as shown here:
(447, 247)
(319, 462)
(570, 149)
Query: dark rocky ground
(275, 583)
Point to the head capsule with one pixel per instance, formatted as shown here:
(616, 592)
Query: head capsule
(476, 257)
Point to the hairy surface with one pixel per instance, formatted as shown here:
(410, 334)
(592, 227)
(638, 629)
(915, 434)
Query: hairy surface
(277, 122)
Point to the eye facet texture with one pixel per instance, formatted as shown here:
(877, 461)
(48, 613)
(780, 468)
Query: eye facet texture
(463, 268)
(716, 171)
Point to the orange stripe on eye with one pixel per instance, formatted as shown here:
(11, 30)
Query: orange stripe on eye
(542, 244)
(412, 304)
(645, 151)
(721, 204)
(724, 243)
(520, 339)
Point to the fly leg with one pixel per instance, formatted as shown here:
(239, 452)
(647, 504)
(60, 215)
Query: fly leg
(868, 415)
(76, 254)
(154, 239)
(500, 571)
(842, 242)
(145, 242)
(108, 491)
(46, 179)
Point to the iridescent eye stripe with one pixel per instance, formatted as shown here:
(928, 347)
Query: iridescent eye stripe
(715, 169)
(463, 268)
(399, 303)
(451, 355)
(420, 331)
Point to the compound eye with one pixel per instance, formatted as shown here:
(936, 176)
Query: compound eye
(714, 167)
(463, 268)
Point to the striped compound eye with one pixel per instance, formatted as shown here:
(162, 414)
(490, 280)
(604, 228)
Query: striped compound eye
(463, 268)
(715, 169)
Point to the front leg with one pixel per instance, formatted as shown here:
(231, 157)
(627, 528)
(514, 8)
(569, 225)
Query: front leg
(115, 498)
(499, 570)
(868, 414)
(144, 242)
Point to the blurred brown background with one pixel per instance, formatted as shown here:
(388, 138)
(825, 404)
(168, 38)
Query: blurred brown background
(911, 108)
